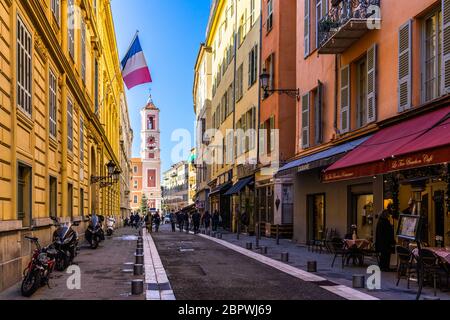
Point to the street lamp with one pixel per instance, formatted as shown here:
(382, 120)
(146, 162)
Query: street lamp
(265, 78)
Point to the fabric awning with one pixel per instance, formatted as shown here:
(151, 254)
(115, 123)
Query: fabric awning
(220, 189)
(316, 160)
(241, 184)
(418, 142)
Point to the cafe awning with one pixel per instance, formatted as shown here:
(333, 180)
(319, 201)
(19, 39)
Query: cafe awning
(419, 142)
(241, 184)
(220, 189)
(321, 159)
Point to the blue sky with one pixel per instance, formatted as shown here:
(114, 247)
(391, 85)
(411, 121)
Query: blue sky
(170, 34)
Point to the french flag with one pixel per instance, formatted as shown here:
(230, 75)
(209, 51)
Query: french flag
(134, 66)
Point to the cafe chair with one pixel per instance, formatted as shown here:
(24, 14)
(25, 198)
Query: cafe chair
(431, 268)
(405, 267)
(339, 250)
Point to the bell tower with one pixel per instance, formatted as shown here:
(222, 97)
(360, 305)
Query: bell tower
(151, 155)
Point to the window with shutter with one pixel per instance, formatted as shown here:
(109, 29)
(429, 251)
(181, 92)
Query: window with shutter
(404, 67)
(446, 46)
(372, 84)
(307, 28)
(305, 120)
(345, 99)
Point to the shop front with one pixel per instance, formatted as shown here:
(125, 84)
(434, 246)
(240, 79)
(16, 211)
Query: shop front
(412, 159)
(243, 198)
(320, 208)
(219, 201)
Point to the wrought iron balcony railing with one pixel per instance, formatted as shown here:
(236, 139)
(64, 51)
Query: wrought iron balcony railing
(345, 23)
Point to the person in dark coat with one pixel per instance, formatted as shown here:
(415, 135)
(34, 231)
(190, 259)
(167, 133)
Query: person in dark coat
(173, 220)
(180, 218)
(385, 241)
(157, 221)
(215, 221)
(207, 220)
(186, 221)
(196, 221)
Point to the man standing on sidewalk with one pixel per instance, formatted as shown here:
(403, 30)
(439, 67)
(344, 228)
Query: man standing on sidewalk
(196, 221)
(173, 220)
(181, 221)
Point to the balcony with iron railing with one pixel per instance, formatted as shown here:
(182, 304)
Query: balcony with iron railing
(346, 22)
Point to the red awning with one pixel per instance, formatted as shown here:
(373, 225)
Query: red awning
(424, 140)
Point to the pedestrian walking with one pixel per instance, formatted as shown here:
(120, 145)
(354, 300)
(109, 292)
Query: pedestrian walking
(149, 222)
(173, 220)
(196, 218)
(157, 221)
(215, 220)
(181, 221)
(385, 241)
(207, 220)
(187, 219)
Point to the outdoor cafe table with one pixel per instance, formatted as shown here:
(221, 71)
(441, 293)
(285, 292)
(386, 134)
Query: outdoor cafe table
(355, 250)
(443, 253)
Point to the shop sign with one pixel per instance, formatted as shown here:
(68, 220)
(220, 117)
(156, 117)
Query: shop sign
(340, 175)
(304, 167)
(412, 161)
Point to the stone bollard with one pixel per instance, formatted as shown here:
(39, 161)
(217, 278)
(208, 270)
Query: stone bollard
(138, 270)
(264, 250)
(139, 259)
(359, 281)
(137, 287)
(312, 266)
(219, 236)
(139, 251)
(249, 245)
(141, 232)
(285, 257)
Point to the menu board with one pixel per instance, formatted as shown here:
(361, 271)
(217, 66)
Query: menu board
(408, 227)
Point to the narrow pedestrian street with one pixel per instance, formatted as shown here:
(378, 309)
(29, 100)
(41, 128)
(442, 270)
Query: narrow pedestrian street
(199, 269)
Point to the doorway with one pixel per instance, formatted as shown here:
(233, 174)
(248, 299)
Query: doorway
(362, 215)
(316, 216)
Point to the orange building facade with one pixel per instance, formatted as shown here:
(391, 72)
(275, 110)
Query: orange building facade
(277, 111)
(364, 69)
(136, 190)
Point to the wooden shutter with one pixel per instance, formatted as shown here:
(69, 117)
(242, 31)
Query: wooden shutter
(305, 120)
(307, 27)
(404, 67)
(318, 116)
(372, 84)
(345, 99)
(446, 46)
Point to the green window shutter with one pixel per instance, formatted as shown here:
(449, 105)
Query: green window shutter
(372, 84)
(345, 99)
(404, 67)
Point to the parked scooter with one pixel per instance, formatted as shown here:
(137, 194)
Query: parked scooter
(94, 233)
(37, 274)
(110, 225)
(65, 241)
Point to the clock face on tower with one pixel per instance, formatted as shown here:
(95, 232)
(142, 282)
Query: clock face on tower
(151, 143)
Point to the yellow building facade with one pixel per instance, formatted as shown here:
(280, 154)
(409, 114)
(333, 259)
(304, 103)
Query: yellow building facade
(233, 36)
(60, 99)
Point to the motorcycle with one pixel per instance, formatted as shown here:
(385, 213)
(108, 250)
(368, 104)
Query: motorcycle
(65, 241)
(37, 274)
(110, 224)
(94, 234)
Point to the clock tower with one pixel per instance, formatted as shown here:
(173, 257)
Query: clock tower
(151, 155)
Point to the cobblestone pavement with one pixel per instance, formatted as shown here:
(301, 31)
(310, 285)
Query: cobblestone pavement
(299, 257)
(199, 269)
(102, 276)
